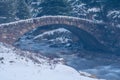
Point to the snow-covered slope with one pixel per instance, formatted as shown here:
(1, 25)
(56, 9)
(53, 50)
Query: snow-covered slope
(13, 66)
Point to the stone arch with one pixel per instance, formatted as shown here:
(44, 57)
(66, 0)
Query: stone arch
(10, 32)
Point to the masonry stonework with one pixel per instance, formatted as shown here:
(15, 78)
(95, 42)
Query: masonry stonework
(10, 32)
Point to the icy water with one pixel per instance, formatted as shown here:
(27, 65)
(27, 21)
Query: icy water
(78, 52)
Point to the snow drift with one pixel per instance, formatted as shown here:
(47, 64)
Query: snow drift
(13, 66)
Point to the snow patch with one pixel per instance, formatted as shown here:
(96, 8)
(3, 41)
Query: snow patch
(16, 67)
(61, 40)
(52, 32)
(94, 9)
(114, 14)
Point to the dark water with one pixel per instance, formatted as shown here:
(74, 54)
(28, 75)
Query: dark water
(77, 51)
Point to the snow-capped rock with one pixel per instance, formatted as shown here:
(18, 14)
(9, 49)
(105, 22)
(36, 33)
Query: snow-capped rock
(60, 32)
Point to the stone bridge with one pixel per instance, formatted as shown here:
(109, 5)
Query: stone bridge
(10, 32)
(103, 36)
